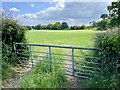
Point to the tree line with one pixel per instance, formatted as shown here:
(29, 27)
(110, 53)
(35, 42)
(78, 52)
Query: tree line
(56, 26)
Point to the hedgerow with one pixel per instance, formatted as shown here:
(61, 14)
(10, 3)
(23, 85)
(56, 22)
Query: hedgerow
(11, 32)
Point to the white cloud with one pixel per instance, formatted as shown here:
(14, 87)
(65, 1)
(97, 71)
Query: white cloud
(75, 13)
(14, 9)
(1, 9)
(58, 7)
(32, 5)
(31, 16)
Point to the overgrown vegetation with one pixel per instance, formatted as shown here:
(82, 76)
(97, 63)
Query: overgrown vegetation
(110, 43)
(11, 32)
(44, 76)
(110, 57)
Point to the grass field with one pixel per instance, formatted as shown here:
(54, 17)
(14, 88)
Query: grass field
(81, 38)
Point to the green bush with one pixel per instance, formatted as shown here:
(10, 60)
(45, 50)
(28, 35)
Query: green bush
(99, 81)
(7, 72)
(6, 67)
(11, 32)
(110, 57)
(110, 53)
(42, 76)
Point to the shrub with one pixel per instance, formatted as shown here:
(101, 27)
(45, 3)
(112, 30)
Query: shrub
(110, 53)
(99, 81)
(6, 67)
(7, 72)
(110, 57)
(11, 32)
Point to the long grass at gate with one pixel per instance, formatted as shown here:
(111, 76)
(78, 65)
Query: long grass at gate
(44, 76)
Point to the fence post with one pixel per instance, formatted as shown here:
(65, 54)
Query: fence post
(50, 56)
(14, 44)
(73, 61)
(31, 55)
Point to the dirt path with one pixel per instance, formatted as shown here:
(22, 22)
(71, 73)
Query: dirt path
(20, 71)
(14, 82)
(73, 82)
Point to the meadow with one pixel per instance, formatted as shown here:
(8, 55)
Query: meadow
(81, 38)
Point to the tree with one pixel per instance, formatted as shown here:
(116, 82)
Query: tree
(49, 26)
(64, 25)
(28, 27)
(57, 26)
(104, 16)
(38, 27)
(43, 26)
(102, 24)
(114, 14)
(93, 24)
(82, 27)
(75, 27)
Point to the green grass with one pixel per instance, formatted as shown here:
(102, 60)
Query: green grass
(82, 38)
(42, 76)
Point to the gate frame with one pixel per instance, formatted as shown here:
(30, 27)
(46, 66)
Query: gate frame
(56, 46)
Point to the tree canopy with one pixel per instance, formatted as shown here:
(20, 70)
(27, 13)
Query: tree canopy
(111, 20)
(64, 25)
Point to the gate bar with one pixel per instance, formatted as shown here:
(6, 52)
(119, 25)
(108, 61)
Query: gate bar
(73, 61)
(44, 45)
(50, 56)
(31, 54)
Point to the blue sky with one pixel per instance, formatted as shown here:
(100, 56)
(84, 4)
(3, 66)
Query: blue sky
(27, 7)
(45, 12)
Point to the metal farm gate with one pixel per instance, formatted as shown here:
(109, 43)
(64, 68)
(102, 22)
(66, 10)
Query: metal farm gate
(77, 61)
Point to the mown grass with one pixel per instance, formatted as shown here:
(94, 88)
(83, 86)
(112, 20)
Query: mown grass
(44, 76)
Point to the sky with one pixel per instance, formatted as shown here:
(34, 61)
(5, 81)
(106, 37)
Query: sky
(77, 12)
